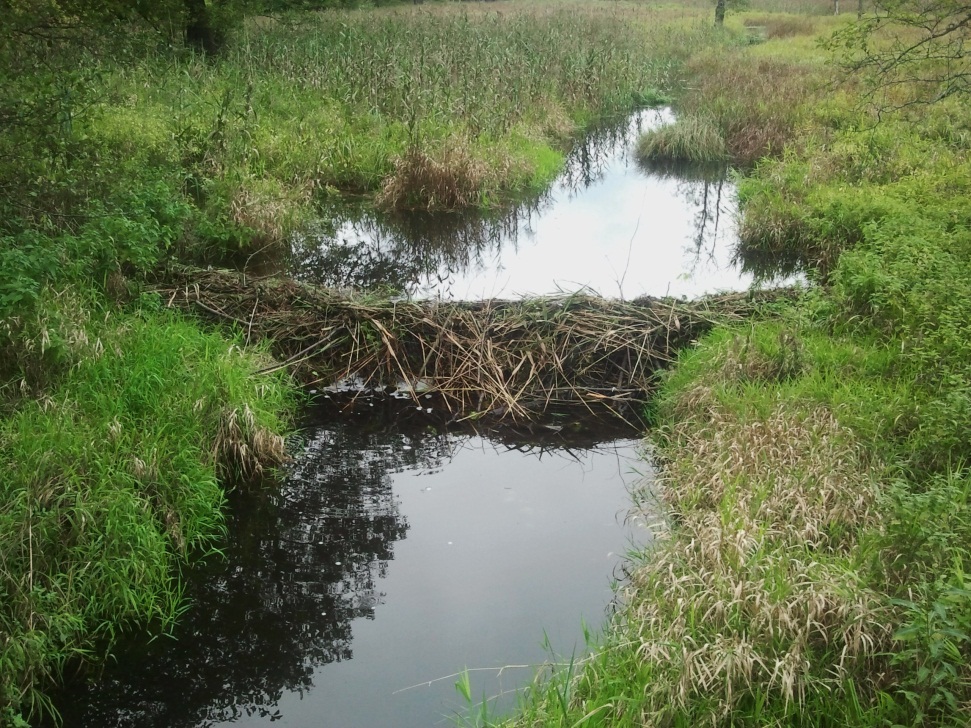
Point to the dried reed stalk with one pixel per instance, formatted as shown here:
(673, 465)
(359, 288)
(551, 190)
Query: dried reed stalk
(508, 359)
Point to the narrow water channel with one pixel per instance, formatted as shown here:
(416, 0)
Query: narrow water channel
(607, 226)
(394, 553)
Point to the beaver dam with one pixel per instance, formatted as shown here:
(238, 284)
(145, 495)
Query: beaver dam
(477, 508)
(507, 360)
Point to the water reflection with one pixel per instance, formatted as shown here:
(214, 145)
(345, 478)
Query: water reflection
(607, 225)
(593, 156)
(302, 562)
(307, 563)
(358, 247)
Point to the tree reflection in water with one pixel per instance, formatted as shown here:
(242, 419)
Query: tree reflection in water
(356, 246)
(303, 560)
(368, 250)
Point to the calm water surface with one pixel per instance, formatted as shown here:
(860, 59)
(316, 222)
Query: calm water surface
(394, 553)
(607, 226)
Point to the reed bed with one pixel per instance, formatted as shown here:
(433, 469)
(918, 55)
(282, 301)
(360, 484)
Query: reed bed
(509, 360)
(451, 107)
(741, 109)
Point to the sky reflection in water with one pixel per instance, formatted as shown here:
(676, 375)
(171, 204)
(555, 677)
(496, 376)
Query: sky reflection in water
(607, 226)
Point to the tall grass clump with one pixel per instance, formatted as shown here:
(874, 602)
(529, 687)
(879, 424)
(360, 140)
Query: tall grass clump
(737, 106)
(693, 140)
(114, 476)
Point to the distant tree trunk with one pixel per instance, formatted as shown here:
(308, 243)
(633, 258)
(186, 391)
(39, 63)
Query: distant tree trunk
(199, 30)
(859, 10)
(720, 12)
(836, 7)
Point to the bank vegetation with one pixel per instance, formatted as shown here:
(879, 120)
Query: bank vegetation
(134, 138)
(811, 571)
(813, 468)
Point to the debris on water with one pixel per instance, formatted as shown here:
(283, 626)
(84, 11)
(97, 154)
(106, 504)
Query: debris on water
(581, 350)
(406, 447)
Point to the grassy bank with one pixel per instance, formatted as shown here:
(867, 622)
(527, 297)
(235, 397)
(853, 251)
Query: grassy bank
(121, 151)
(114, 475)
(812, 573)
(441, 107)
(813, 464)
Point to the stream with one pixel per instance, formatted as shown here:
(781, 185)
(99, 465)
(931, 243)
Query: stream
(396, 551)
(607, 226)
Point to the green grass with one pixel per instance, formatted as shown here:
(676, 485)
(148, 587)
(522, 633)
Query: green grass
(121, 425)
(115, 475)
(692, 140)
(737, 107)
(488, 96)
(814, 464)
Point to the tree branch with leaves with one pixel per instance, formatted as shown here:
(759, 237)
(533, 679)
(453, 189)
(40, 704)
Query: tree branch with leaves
(909, 52)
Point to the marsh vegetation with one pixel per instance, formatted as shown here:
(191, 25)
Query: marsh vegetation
(812, 568)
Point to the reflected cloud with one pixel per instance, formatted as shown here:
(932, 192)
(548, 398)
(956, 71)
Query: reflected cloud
(585, 232)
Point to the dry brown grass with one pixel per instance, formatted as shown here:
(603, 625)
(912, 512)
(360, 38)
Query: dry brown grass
(242, 447)
(268, 210)
(781, 26)
(448, 179)
(745, 596)
(511, 360)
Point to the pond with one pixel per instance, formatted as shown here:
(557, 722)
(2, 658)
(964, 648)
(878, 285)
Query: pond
(394, 553)
(607, 226)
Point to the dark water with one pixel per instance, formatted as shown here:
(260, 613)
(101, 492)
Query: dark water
(607, 226)
(393, 554)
